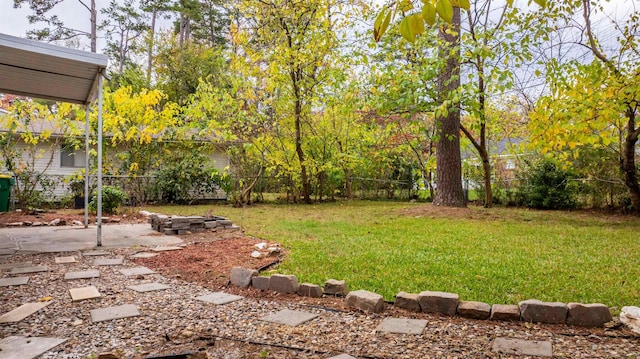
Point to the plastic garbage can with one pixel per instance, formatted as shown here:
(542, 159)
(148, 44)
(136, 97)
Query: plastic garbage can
(6, 181)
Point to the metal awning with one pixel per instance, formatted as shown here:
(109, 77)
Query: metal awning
(34, 69)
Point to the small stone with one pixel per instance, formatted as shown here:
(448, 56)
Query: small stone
(407, 301)
(630, 316)
(505, 312)
(310, 290)
(261, 246)
(588, 315)
(241, 277)
(365, 301)
(258, 255)
(438, 302)
(533, 310)
(15, 224)
(37, 224)
(283, 283)
(474, 310)
(77, 223)
(55, 222)
(27, 223)
(261, 283)
(77, 322)
(336, 287)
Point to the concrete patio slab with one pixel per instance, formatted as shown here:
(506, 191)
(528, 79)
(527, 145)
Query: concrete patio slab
(219, 298)
(148, 287)
(6, 282)
(144, 255)
(22, 312)
(82, 274)
(15, 347)
(136, 271)
(522, 347)
(7, 266)
(108, 261)
(65, 260)
(402, 326)
(166, 248)
(25, 270)
(84, 293)
(95, 253)
(111, 313)
(289, 317)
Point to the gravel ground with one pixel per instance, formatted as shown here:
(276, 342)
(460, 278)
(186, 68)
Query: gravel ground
(172, 322)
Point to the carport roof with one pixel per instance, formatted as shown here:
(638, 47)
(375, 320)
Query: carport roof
(34, 69)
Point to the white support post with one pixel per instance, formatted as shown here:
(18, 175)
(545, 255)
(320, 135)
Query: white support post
(86, 168)
(99, 194)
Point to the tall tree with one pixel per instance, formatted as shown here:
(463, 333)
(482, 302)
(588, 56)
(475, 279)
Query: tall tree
(56, 30)
(156, 8)
(123, 26)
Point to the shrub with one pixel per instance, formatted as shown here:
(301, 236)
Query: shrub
(112, 199)
(546, 186)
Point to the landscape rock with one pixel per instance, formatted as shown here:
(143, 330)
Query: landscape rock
(407, 301)
(283, 283)
(261, 245)
(15, 224)
(336, 287)
(630, 316)
(365, 301)
(509, 312)
(310, 290)
(77, 223)
(256, 254)
(474, 310)
(588, 315)
(55, 222)
(438, 302)
(241, 277)
(261, 283)
(535, 311)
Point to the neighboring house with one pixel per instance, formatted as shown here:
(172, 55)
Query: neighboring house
(505, 157)
(59, 161)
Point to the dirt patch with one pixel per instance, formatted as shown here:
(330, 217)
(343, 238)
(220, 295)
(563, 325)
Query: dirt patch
(430, 211)
(67, 216)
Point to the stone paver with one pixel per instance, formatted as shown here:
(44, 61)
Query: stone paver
(166, 248)
(108, 261)
(289, 317)
(148, 287)
(84, 293)
(402, 326)
(95, 253)
(219, 298)
(15, 347)
(7, 251)
(64, 260)
(24, 270)
(6, 266)
(82, 274)
(111, 313)
(342, 356)
(136, 271)
(6, 282)
(22, 312)
(522, 347)
(144, 255)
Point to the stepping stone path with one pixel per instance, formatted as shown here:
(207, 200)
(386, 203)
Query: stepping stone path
(292, 318)
(522, 347)
(219, 298)
(5, 282)
(144, 255)
(84, 293)
(402, 326)
(149, 287)
(15, 347)
(136, 271)
(95, 253)
(24, 270)
(117, 312)
(166, 248)
(108, 261)
(82, 275)
(22, 312)
(64, 260)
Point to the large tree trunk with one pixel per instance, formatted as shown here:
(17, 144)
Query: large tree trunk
(94, 25)
(448, 160)
(306, 185)
(152, 35)
(629, 161)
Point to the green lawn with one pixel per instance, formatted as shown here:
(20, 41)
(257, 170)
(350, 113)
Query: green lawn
(500, 256)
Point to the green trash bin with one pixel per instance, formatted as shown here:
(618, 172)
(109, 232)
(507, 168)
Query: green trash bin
(6, 181)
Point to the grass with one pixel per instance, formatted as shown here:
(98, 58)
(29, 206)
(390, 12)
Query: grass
(496, 256)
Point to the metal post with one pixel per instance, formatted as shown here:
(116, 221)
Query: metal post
(99, 194)
(86, 168)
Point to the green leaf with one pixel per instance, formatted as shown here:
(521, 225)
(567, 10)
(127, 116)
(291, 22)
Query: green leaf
(381, 24)
(445, 10)
(405, 5)
(406, 32)
(429, 13)
(463, 4)
(542, 3)
(416, 24)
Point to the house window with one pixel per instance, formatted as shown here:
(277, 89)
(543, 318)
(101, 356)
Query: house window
(70, 157)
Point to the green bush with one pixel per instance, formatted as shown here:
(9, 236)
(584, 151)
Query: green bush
(112, 199)
(546, 186)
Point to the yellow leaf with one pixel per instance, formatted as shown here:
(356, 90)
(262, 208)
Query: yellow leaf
(429, 13)
(445, 10)
(406, 32)
(45, 299)
(416, 24)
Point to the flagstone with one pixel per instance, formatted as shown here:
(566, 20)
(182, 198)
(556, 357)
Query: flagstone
(144, 255)
(24, 270)
(111, 313)
(136, 271)
(6, 266)
(82, 274)
(402, 326)
(84, 293)
(65, 260)
(148, 287)
(95, 253)
(166, 248)
(219, 298)
(289, 317)
(16, 347)
(5, 282)
(22, 312)
(108, 261)
(522, 347)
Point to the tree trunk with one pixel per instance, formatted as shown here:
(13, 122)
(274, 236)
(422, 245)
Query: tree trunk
(347, 183)
(448, 160)
(152, 35)
(94, 25)
(629, 161)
